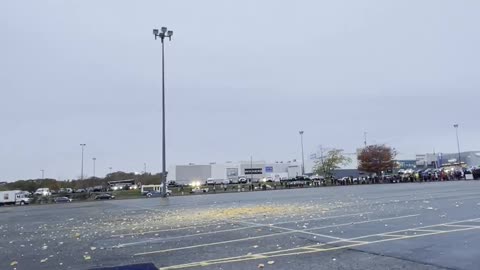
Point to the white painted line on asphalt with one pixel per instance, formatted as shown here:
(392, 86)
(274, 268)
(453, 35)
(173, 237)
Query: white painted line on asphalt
(323, 218)
(152, 240)
(462, 226)
(385, 234)
(313, 248)
(424, 230)
(293, 230)
(392, 235)
(233, 221)
(258, 237)
(172, 229)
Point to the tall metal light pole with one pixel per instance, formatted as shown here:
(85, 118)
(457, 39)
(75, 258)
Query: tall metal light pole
(303, 157)
(162, 34)
(81, 174)
(94, 159)
(458, 145)
(43, 173)
(251, 171)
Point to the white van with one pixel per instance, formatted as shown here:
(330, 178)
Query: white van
(210, 181)
(13, 197)
(43, 192)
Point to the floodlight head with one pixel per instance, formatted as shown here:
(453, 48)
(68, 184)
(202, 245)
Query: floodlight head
(164, 29)
(155, 32)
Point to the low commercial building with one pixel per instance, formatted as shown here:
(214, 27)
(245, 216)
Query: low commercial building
(186, 174)
(467, 159)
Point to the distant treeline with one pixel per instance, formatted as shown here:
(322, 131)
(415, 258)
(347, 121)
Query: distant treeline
(33, 184)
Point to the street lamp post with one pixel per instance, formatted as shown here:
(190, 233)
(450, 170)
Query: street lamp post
(303, 157)
(81, 173)
(458, 145)
(162, 34)
(94, 159)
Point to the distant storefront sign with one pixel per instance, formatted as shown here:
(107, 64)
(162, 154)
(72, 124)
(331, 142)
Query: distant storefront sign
(232, 172)
(406, 164)
(269, 169)
(253, 171)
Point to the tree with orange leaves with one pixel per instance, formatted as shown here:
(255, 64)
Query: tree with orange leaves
(376, 159)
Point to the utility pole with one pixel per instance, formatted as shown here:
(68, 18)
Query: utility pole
(43, 173)
(303, 156)
(94, 159)
(145, 168)
(251, 169)
(365, 139)
(321, 159)
(81, 174)
(458, 145)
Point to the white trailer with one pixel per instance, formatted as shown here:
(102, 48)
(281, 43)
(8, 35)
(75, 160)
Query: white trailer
(13, 197)
(145, 189)
(277, 177)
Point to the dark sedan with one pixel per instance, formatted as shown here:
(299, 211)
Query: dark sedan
(62, 200)
(157, 193)
(105, 196)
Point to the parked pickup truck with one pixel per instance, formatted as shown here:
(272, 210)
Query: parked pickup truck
(13, 197)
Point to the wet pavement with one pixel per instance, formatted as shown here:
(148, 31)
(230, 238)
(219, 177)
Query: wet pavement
(391, 226)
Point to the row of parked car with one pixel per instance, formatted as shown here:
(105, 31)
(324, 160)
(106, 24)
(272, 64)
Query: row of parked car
(49, 192)
(104, 196)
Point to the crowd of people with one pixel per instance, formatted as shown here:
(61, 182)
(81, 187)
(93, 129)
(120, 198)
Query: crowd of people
(425, 175)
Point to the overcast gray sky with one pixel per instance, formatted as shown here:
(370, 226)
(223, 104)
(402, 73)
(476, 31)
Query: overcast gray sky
(243, 77)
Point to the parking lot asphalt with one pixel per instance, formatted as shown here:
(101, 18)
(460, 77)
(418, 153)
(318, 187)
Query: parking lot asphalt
(391, 226)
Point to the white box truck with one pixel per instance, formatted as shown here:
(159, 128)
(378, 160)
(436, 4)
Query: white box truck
(13, 197)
